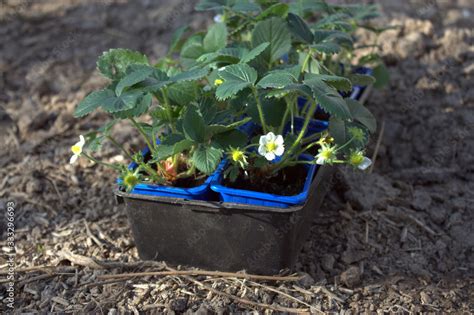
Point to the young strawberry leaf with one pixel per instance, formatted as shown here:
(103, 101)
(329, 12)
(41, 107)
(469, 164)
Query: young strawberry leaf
(114, 63)
(216, 37)
(361, 114)
(138, 75)
(361, 79)
(140, 109)
(340, 83)
(382, 76)
(277, 9)
(328, 98)
(276, 79)
(191, 75)
(93, 101)
(176, 39)
(236, 78)
(194, 127)
(251, 55)
(299, 28)
(208, 5)
(275, 32)
(206, 158)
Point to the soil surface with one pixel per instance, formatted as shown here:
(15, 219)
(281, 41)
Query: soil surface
(397, 240)
(287, 182)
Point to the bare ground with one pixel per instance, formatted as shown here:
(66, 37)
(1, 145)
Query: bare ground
(397, 240)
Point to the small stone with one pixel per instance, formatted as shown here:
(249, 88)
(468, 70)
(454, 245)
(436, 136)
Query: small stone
(178, 305)
(33, 186)
(421, 200)
(351, 276)
(327, 262)
(306, 280)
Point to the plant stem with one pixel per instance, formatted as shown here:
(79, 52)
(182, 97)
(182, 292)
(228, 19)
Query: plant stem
(305, 62)
(142, 132)
(119, 146)
(260, 110)
(93, 159)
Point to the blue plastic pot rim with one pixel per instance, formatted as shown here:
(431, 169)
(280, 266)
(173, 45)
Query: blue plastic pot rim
(295, 199)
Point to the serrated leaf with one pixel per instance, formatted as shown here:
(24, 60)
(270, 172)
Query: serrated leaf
(327, 48)
(114, 63)
(249, 56)
(337, 37)
(192, 47)
(361, 79)
(93, 101)
(275, 32)
(172, 147)
(276, 79)
(206, 5)
(236, 78)
(232, 138)
(301, 7)
(216, 37)
(277, 9)
(361, 114)
(340, 83)
(156, 81)
(140, 109)
(299, 28)
(176, 39)
(183, 93)
(126, 101)
(138, 75)
(194, 127)
(337, 130)
(328, 98)
(246, 7)
(206, 159)
(191, 75)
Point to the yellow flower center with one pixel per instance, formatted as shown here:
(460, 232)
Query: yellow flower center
(327, 154)
(271, 146)
(218, 82)
(76, 149)
(356, 159)
(237, 155)
(130, 180)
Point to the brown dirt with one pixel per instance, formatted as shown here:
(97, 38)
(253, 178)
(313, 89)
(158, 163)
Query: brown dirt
(397, 240)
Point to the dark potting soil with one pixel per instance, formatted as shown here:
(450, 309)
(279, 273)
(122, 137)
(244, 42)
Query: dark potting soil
(287, 182)
(189, 182)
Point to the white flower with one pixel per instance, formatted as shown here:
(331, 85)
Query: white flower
(365, 163)
(271, 146)
(326, 154)
(357, 159)
(77, 149)
(218, 18)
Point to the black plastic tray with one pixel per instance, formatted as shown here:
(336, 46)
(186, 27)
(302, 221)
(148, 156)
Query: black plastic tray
(223, 236)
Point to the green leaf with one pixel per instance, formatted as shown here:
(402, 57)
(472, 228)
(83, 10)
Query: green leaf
(236, 78)
(232, 138)
(126, 101)
(208, 109)
(138, 75)
(337, 37)
(277, 9)
(245, 7)
(93, 101)
(382, 76)
(273, 111)
(361, 79)
(114, 63)
(156, 81)
(276, 79)
(299, 28)
(171, 145)
(194, 127)
(140, 109)
(328, 98)
(275, 32)
(216, 37)
(183, 93)
(207, 5)
(192, 48)
(191, 75)
(337, 130)
(327, 48)
(361, 114)
(249, 56)
(206, 159)
(176, 39)
(340, 83)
